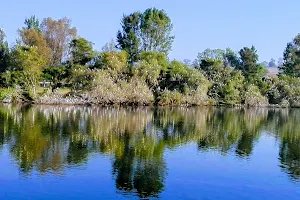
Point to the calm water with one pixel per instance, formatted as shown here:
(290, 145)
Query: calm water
(49, 152)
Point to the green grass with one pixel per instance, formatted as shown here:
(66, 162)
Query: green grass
(40, 90)
(64, 91)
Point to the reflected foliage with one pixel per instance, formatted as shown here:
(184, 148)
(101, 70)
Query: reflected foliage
(49, 139)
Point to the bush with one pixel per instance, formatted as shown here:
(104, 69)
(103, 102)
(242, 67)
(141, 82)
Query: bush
(285, 91)
(10, 95)
(106, 90)
(175, 98)
(253, 97)
(148, 71)
(81, 78)
(168, 97)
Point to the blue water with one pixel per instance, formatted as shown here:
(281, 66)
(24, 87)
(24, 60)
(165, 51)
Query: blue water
(182, 168)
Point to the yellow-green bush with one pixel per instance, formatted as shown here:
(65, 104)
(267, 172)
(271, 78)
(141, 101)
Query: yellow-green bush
(253, 97)
(107, 90)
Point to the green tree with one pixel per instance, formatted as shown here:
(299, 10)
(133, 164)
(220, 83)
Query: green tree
(227, 84)
(55, 75)
(252, 70)
(80, 78)
(31, 35)
(148, 31)
(208, 57)
(272, 63)
(4, 52)
(32, 23)
(81, 51)
(128, 39)
(231, 59)
(150, 67)
(30, 64)
(156, 28)
(116, 62)
(291, 58)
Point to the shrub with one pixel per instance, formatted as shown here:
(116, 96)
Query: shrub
(81, 78)
(10, 95)
(175, 98)
(106, 90)
(227, 84)
(285, 91)
(168, 97)
(253, 97)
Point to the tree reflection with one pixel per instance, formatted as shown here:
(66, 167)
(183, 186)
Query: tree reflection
(49, 138)
(233, 129)
(286, 126)
(123, 166)
(290, 158)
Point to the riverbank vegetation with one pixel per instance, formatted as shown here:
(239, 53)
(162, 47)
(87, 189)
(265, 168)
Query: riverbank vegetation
(51, 64)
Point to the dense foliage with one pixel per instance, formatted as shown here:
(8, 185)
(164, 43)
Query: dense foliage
(49, 56)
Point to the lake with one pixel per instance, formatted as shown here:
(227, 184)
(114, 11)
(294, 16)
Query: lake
(77, 152)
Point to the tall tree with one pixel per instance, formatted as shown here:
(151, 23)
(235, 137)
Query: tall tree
(32, 23)
(30, 64)
(156, 28)
(4, 52)
(81, 51)
(291, 58)
(128, 39)
(58, 35)
(148, 31)
(250, 67)
(31, 35)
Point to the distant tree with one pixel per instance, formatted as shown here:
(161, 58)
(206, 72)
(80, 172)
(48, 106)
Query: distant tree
(81, 51)
(272, 63)
(211, 54)
(280, 62)
(110, 46)
(187, 62)
(250, 67)
(58, 35)
(208, 58)
(265, 64)
(32, 23)
(291, 58)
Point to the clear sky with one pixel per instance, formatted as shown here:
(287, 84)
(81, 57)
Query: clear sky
(198, 24)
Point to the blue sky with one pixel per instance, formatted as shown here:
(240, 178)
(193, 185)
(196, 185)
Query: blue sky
(198, 24)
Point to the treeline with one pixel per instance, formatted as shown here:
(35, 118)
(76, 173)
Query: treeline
(136, 69)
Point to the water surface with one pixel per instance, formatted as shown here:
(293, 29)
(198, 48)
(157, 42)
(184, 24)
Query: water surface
(73, 152)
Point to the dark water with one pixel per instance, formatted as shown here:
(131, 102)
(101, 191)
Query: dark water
(49, 152)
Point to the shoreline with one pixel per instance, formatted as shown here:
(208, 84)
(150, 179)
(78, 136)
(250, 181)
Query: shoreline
(30, 103)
